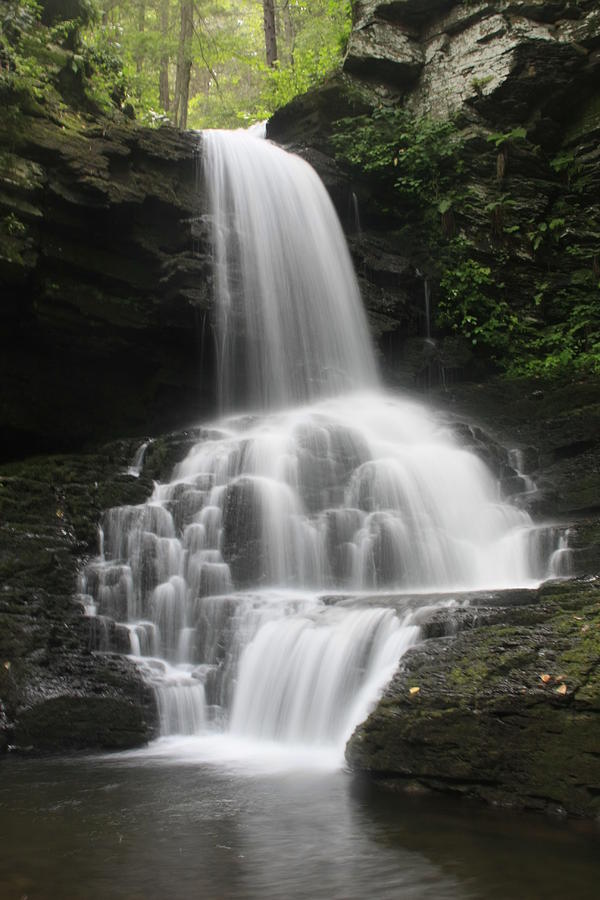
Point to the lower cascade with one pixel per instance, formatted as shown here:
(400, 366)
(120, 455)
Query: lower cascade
(270, 588)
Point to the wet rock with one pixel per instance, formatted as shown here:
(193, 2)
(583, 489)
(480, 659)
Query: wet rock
(242, 532)
(485, 723)
(57, 691)
(380, 50)
(104, 290)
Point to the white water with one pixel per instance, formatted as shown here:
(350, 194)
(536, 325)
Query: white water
(291, 325)
(221, 580)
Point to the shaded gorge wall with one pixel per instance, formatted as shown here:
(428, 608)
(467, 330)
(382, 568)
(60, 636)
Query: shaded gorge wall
(466, 135)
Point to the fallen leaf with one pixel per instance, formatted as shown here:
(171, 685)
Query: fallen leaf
(546, 678)
(7, 665)
(562, 689)
(585, 628)
(414, 690)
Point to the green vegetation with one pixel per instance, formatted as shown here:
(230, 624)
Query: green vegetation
(212, 54)
(462, 211)
(197, 65)
(422, 156)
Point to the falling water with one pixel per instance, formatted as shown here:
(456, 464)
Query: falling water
(270, 588)
(291, 325)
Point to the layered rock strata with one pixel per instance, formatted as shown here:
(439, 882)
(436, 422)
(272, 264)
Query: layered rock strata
(104, 297)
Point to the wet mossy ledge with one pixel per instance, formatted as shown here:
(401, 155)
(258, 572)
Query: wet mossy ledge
(506, 712)
(58, 693)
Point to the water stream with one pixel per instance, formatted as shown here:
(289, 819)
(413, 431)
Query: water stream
(139, 829)
(271, 586)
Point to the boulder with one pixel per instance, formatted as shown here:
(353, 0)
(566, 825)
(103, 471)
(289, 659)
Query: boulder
(508, 713)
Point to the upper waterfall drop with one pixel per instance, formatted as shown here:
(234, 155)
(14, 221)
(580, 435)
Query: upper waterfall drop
(290, 322)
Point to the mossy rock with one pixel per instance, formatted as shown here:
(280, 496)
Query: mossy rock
(508, 713)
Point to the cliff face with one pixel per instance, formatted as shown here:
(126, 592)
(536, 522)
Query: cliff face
(103, 296)
(514, 221)
(509, 60)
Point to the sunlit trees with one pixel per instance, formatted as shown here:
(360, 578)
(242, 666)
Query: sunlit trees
(220, 62)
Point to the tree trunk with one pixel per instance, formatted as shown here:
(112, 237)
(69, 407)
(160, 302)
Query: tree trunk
(141, 28)
(184, 65)
(163, 75)
(270, 33)
(288, 30)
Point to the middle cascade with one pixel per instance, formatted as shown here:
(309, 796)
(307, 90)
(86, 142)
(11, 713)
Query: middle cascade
(223, 581)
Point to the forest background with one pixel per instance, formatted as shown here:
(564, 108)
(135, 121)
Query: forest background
(214, 63)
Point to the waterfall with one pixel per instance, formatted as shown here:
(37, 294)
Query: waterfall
(290, 321)
(271, 586)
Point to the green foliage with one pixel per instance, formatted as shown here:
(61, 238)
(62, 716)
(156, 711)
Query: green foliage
(13, 226)
(230, 84)
(470, 303)
(553, 332)
(21, 74)
(569, 342)
(421, 155)
(114, 55)
(544, 231)
(499, 138)
(49, 65)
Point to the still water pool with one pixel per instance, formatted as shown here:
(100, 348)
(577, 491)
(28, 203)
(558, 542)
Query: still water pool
(143, 828)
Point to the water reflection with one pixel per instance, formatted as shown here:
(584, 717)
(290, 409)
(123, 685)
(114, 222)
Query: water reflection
(144, 830)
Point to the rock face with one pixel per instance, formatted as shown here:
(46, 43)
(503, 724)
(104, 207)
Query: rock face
(513, 56)
(509, 713)
(518, 81)
(103, 295)
(58, 690)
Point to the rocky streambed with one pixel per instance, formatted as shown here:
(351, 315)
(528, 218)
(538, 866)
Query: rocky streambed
(501, 700)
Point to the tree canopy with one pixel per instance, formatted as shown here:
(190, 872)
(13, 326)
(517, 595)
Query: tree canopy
(216, 63)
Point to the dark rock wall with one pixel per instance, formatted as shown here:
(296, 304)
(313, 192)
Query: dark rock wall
(59, 690)
(104, 297)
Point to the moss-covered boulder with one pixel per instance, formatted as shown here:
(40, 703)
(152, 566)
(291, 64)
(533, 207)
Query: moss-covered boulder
(509, 713)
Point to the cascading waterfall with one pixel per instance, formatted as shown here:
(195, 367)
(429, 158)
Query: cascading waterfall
(251, 586)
